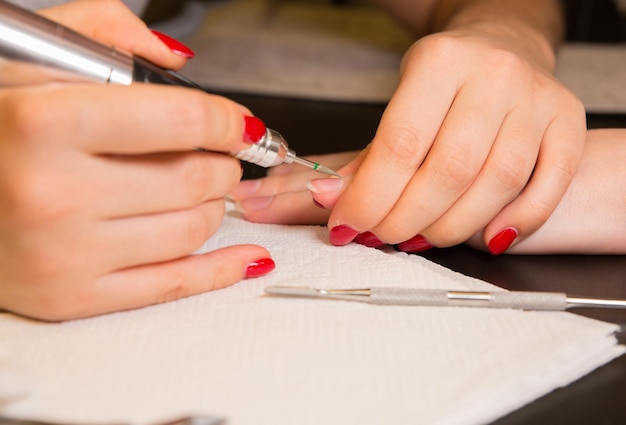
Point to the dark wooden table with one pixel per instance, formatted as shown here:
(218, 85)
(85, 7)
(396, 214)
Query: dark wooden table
(600, 397)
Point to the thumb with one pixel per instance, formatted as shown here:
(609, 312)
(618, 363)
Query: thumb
(112, 23)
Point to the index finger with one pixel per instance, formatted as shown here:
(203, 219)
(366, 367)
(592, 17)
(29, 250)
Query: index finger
(405, 134)
(135, 119)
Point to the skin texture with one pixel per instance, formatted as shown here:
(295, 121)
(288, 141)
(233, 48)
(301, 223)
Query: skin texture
(590, 219)
(102, 202)
(479, 135)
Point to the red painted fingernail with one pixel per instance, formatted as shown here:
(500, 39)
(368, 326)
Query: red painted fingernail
(502, 241)
(260, 267)
(342, 235)
(368, 239)
(414, 245)
(254, 130)
(175, 45)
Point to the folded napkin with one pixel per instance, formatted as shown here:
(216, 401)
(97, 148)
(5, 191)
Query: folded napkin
(256, 359)
(317, 50)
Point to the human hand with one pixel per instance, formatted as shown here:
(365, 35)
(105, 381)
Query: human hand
(478, 135)
(589, 200)
(103, 197)
(284, 196)
(590, 218)
(112, 24)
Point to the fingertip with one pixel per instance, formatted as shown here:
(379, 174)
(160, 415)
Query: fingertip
(259, 267)
(240, 262)
(175, 46)
(342, 234)
(499, 243)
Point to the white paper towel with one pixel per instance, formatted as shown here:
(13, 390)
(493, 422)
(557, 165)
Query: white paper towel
(261, 360)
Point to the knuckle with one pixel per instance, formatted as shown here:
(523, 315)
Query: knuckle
(195, 175)
(564, 168)
(403, 147)
(201, 224)
(46, 263)
(200, 119)
(28, 119)
(439, 46)
(189, 112)
(235, 171)
(541, 210)
(176, 286)
(511, 173)
(507, 63)
(36, 198)
(454, 172)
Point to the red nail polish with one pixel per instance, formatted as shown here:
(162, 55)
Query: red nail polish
(342, 235)
(260, 267)
(414, 245)
(502, 241)
(254, 130)
(175, 45)
(368, 239)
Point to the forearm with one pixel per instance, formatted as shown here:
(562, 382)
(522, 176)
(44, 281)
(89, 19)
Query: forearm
(537, 23)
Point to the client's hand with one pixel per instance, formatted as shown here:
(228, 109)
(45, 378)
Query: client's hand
(284, 196)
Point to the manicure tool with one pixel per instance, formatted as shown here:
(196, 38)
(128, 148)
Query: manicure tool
(434, 297)
(190, 420)
(33, 39)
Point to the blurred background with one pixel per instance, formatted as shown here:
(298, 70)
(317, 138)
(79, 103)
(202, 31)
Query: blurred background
(601, 21)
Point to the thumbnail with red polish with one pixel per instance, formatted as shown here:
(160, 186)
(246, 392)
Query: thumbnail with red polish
(342, 235)
(254, 130)
(175, 45)
(368, 239)
(414, 245)
(502, 241)
(260, 267)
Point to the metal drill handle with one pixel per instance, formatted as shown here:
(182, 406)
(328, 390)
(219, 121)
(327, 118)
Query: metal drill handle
(32, 39)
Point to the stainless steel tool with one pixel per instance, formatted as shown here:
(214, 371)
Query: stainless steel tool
(436, 297)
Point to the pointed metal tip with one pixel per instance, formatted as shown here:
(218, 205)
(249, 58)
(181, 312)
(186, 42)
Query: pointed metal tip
(326, 170)
(294, 291)
(315, 166)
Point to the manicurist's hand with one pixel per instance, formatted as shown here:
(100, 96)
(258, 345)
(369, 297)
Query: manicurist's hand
(103, 196)
(479, 134)
(589, 218)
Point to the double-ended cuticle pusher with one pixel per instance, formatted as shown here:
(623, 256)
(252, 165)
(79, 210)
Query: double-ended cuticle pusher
(523, 300)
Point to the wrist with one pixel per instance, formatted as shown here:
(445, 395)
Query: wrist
(517, 36)
(534, 27)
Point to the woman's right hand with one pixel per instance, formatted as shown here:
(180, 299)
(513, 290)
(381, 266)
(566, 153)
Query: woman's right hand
(103, 195)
